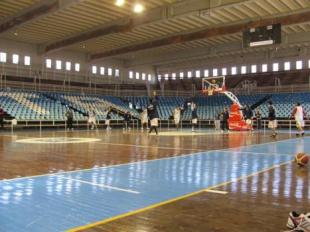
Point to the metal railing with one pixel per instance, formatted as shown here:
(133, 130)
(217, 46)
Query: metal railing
(136, 124)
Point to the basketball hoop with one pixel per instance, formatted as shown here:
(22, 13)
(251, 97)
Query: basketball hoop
(211, 85)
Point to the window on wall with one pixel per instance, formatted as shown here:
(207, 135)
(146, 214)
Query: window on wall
(189, 74)
(48, 63)
(287, 66)
(68, 66)
(3, 57)
(149, 77)
(254, 68)
(197, 74)
(243, 69)
(264, 67)
(130, 74)
(27, 60)
(143, 76)
(94, 69)
(206, 73)
(58, 64)
(233, 70)
(159, 77)
(102, 70)
(299, 64)
(137, 75)
(308, 63)
(181, 75)
(275, 67)
(166, 76)
(15, 59)
(215, 72)
(117, 72)
(224, 71)
(77, 67)
(173, 75)
(110, 71)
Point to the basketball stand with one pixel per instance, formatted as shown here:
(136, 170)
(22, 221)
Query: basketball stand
(213, 85)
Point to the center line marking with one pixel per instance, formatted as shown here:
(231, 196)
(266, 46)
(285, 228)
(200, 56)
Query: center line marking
(103, 185)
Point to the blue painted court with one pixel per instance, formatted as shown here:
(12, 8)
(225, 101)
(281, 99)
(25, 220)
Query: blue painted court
(59, 202)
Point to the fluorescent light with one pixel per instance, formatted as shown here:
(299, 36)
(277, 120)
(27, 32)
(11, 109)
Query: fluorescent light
(119, 2)
(261, 43)
(138, 8)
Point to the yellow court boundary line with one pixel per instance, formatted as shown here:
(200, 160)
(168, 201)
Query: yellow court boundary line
(79, 228)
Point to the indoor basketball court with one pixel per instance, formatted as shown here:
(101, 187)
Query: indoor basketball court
(154, 115)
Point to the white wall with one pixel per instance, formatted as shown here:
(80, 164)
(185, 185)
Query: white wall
(38, 65)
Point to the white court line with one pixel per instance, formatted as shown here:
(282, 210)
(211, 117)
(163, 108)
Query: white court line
(102, 185)
(216, 191)
(145, 146)
(143, 161)
(254, 153)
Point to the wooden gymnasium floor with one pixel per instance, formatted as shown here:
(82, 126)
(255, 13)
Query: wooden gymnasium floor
(132, 182)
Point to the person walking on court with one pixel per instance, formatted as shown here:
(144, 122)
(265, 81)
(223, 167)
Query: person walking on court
(272, 124)
(69, 117)
(299, 114)
(194, 116)
(152, 112)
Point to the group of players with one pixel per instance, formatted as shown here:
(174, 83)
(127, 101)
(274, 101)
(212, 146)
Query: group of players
(150, 114)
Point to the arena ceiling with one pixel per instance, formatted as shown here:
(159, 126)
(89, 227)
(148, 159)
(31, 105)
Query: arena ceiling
(103, 30)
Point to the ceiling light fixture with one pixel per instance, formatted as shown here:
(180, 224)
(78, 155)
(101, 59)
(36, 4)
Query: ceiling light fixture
(138, 8)
(120, 2)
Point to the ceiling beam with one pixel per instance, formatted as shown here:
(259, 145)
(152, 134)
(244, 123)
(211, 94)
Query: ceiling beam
(34, 12)
(42, 8)
(173, 10)
(89, 35)
(206, 33)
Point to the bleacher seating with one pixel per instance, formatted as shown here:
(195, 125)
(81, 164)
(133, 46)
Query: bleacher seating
(27, 105)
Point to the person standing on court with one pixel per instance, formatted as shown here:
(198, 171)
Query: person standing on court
(69, 117)
(1, 118)
(152, 112)
(299, 114)
(217, 122)
(177, 117)
(194, 116)
(258, 117)
(144, 120)
(92, 119)
(108, 119)
(126, 123)
(224, 120)
(248, 115)
(272, 124)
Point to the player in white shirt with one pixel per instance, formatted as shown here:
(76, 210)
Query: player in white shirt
(177, 117)
(299, 114)
(144, 120)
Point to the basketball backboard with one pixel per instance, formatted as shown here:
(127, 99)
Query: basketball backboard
(212, 85)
